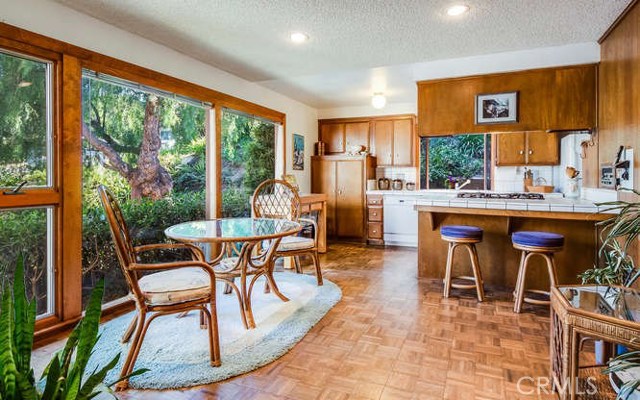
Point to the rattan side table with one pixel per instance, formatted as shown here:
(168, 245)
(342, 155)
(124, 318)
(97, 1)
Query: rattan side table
(600, 312)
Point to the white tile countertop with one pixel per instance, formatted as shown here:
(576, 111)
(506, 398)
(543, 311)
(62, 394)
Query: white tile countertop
(553, 202)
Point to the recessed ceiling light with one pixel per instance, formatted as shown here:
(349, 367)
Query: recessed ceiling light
(299, 37)
(458, 9)
(378, 100)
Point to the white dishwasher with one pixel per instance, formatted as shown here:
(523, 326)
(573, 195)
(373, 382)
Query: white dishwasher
(400, 220)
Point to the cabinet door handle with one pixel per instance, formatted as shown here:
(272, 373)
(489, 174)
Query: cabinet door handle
(521, 152)
(375, 231)
(530, 152)
(375, 213)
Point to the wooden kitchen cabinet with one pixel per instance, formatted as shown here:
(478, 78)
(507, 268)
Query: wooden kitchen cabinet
(391, 139)
(527, 148)
(393, 142)
(375, 220)
(333, 136)
(543, 148)
(382, 143)
(403, 142)
(510, 148)
(558, 98)
(343, 179)
(356, 134)
(323, 180)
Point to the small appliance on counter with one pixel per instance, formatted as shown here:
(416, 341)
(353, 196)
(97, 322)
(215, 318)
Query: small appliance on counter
(397, 184)
(384, 184)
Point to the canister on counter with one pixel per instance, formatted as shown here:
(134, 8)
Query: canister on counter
(319, 148)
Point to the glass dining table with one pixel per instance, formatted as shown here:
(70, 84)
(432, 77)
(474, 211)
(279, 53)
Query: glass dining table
(247, 248)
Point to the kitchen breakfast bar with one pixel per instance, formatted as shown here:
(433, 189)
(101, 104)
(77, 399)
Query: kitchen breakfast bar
(499, 261)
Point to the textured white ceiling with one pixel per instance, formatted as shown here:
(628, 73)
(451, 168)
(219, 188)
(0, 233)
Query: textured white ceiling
(349, 39)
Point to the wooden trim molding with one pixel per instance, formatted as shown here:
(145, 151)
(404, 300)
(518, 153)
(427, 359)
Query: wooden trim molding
(618, 20)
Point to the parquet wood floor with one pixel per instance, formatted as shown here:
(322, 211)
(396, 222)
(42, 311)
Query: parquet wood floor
(393, 336)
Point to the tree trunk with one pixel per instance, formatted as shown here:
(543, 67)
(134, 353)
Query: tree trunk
(149, 179)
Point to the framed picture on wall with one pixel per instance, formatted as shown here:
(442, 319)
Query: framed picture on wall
(497, 108)
(298, 152)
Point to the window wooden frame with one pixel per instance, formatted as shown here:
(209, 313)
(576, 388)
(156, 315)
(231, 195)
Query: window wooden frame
(68, 62)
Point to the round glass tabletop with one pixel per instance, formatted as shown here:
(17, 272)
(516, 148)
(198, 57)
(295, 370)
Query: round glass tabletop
(232, 230)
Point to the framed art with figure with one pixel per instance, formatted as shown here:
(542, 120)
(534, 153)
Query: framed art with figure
(298, 152)
(497, 108)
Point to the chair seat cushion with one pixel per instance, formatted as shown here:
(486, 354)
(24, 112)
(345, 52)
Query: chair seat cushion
(292, 243)
(461, 232)
(537, 239)
(175, 286)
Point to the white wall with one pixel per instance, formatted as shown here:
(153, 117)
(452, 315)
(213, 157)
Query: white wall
(62, 23)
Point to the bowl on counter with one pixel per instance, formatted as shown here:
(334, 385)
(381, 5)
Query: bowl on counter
(540, 188)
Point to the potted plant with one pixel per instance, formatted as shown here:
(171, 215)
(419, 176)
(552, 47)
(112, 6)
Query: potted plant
(618, 268)
(66, 376)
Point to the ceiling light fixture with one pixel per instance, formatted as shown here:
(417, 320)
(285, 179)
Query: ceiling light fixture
(378, 100)
(457, 10)
(298, 37)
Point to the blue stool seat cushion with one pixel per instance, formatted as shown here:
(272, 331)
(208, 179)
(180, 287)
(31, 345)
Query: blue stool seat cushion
(537, 239)
(461, 232)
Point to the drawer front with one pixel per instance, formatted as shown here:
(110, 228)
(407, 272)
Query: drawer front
(374, 200)
(375, 230)
(375, 214)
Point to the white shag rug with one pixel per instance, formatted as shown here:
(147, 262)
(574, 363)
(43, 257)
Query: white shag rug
(176, 350)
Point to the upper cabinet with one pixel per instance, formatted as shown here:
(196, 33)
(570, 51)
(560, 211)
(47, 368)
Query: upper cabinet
(403, 142)
(527, 148)
(392, 139)
(356, 134)
(551, 99)
(333, 137)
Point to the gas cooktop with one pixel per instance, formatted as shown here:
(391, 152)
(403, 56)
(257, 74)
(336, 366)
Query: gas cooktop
(501, 196)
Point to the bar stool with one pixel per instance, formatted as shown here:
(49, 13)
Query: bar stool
(465, 236)
(544, 244)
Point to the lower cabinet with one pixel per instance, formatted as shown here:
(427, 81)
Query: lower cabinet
(343, 179)
(375, 219)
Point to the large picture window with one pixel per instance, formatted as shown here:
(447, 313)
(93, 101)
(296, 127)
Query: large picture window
(248, 158)
(26, 163)
(148, 148)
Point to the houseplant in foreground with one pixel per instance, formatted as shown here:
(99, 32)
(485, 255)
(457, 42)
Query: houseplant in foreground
(619, 234)
(65, 377)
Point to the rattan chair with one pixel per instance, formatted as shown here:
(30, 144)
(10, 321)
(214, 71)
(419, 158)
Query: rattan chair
(181, 286)
(276, 198)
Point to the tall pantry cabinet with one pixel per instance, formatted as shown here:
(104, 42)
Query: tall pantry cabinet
(343, 179)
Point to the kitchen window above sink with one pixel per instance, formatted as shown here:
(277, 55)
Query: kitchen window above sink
(458, 161)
